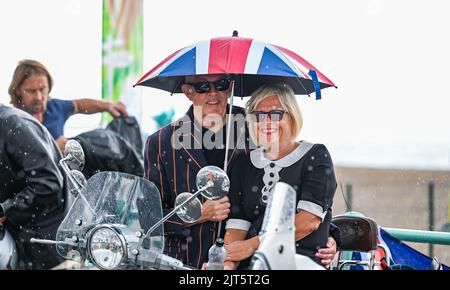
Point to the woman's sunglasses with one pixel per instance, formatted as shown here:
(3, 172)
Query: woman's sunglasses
(204, 87)
(274, 115)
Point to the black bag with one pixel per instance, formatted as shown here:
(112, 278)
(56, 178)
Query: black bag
(107, 150)
(128, 129)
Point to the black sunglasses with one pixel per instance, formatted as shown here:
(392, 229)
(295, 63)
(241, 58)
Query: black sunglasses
(274, 115)
(205, 86)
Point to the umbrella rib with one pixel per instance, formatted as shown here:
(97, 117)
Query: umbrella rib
(300, 81)
(176, 86)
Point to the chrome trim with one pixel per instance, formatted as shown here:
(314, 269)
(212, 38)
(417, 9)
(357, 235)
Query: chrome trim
(119, 234)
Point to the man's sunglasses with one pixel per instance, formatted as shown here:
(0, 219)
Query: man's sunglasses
(274, 115)
(205, 86)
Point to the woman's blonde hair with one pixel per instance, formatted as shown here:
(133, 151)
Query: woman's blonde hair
(287, 99)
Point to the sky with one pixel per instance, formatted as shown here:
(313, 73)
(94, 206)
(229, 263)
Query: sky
(389, 60)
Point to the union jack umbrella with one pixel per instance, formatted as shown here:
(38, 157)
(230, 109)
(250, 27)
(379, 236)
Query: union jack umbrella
(249, 62)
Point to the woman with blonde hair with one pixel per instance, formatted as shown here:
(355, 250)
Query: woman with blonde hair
(275, 121)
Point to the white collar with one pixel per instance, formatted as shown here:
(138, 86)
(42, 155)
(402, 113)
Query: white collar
(260, 161)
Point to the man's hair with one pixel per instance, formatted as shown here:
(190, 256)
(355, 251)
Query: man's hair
(25, 69)
(287, 99)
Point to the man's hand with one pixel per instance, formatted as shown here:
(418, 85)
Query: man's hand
(215, 210)
(239, 250)
(117, 109)
(327, 254)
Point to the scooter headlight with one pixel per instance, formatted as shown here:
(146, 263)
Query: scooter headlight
(107, 247)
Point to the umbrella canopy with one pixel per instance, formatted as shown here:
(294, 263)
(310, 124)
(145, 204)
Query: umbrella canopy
(250, 63)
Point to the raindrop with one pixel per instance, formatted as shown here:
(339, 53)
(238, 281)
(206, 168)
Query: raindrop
(312, 157)
(189, 239)
(255, 188)
(33, 172)
(189, 160)
(328, 171)
(310, 168)
(267, 67)
(183, 247)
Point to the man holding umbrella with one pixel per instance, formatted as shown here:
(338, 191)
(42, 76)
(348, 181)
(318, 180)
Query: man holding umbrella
(175, 154)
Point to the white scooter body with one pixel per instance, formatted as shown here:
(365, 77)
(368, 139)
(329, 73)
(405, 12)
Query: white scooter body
(277, 237)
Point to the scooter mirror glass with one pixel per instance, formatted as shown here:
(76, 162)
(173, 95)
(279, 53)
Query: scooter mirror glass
(191, 211)
(75, 152)
(220, 180)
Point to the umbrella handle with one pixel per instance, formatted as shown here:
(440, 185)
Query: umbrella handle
(227, 145)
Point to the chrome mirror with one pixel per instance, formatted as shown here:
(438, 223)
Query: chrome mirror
(74, 154)
(189, 212)
(79, 177)
(218, 177)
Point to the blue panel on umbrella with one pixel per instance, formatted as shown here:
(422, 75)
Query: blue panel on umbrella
(182, 66)
(271, 64)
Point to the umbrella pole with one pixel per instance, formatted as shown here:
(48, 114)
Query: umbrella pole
(227, 145)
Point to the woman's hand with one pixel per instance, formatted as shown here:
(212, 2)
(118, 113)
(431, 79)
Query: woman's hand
(327, 254)
(230, 265)
(241, 250)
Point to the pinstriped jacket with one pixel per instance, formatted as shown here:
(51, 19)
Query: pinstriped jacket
(172, 166)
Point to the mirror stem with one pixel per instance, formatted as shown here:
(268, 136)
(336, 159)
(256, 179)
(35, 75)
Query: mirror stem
(74, 182)
(159, 223)
(51, 242)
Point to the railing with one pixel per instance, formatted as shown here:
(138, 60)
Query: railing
(432, 237)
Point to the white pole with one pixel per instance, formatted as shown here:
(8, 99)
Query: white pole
(227, 145)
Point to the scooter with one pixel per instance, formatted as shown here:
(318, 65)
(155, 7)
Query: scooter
(115, 220)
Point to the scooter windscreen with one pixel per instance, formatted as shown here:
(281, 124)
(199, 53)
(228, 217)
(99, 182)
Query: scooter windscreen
(111, 199)
(280, 210)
